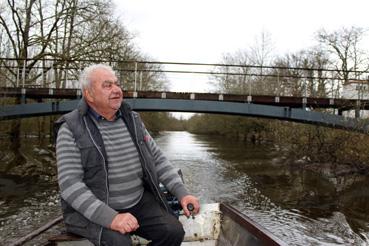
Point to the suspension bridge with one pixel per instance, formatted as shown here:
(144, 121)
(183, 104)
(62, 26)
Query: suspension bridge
(297, 109)
(36, 100)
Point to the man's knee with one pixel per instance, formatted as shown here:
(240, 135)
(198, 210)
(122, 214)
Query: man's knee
(175, 231)
(113, 238)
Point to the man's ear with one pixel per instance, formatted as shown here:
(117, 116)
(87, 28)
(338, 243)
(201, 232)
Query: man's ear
(88, 95)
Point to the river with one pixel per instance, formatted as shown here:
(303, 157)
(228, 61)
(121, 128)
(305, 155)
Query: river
(300, 207)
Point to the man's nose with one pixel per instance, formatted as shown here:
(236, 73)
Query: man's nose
(117, 88)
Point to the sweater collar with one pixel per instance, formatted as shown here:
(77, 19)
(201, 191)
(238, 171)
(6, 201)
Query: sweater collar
(83, 109)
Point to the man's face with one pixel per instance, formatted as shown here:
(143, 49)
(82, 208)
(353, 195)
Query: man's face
(104, 95)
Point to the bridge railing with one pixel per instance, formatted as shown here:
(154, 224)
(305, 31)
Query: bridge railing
(244, 79)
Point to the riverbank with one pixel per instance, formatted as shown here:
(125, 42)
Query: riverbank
(32, 212)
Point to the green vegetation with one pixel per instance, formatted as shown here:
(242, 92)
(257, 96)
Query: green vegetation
(317, 144)
(161, 121)
(242, 128)
(306, 144)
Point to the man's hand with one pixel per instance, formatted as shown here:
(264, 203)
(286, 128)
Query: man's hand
(187, 200)
(124, 223)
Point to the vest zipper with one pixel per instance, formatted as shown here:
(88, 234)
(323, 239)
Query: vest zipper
(106, 173)
(147, 171)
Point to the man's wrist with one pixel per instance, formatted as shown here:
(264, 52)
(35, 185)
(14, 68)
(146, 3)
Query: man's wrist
(181, 192)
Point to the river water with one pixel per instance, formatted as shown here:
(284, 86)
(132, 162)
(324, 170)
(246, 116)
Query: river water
(300, 207)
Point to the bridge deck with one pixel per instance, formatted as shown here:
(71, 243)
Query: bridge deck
(293, 102)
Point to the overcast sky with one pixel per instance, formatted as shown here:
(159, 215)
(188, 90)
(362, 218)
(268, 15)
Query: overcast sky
(203, 30)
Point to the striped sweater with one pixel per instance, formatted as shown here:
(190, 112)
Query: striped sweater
(124, 172)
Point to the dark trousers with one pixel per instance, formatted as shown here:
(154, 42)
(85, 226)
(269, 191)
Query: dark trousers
(156, 224)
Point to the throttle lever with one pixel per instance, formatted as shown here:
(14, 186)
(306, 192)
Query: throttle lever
(191, 208)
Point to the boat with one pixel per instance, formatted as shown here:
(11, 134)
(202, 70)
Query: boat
(217, 224)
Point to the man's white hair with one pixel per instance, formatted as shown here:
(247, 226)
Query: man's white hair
(85, 78)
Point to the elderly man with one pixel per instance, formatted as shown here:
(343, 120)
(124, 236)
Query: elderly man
(109, 170)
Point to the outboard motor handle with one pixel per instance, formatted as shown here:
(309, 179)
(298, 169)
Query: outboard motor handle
(191, 208)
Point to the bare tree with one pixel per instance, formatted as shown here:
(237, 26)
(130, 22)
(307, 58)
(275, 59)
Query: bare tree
(320, 63)
(233, 79)
(344, 45)
(29, 32)
(43, 39)
(252, 61)
(261, 55)
(261, 52)
(50, 38)
(289, 79)
(303, 73)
